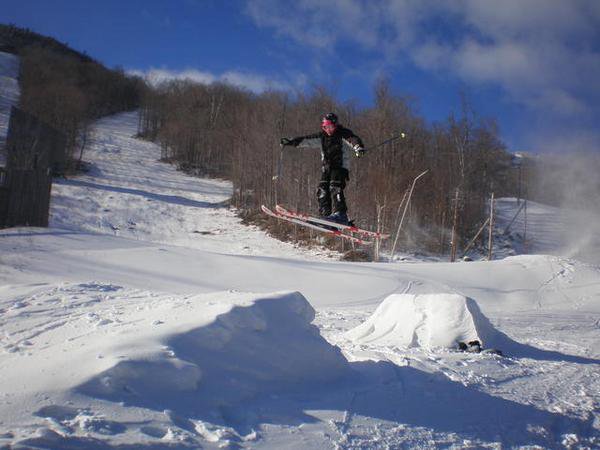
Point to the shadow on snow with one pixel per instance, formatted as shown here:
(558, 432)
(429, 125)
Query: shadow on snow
(173, 199)
(248, 359)
(512, 348)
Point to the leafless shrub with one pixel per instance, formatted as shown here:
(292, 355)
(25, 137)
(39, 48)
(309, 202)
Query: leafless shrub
(224, 131)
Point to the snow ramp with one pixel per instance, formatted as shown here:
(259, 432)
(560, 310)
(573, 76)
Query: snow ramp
(258, 347)
(430, 321)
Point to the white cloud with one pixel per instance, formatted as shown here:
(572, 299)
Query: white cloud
(559, 102)
(156, 76)
(317, 23)
(528, 47)
(543, 54)
(254, 82)
(503, 62)
(528, 20)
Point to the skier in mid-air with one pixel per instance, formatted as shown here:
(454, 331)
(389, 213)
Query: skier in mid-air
(335, 141)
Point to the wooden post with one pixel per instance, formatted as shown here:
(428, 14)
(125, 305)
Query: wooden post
(404, 213)
(443, 233)
(401, 205)
(491, 235)
(277, 176)
(475, 238)
(525, 230)
(520, 193)
(514, 218)
(454, 243)
(379, 230)
(311, 232)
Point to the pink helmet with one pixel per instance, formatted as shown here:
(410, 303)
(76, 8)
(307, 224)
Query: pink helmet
(329, 123)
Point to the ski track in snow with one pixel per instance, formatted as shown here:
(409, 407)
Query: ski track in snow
(145, 273)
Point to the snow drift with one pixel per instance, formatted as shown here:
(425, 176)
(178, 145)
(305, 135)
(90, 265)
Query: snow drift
(426, 320)
(261, 345)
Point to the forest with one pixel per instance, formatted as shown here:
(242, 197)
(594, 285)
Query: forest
(224, 131)
(66, 89)
(219, 130)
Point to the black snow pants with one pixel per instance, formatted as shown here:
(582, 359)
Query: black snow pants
(331, 190)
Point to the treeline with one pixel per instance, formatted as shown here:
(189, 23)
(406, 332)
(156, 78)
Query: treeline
(67, 89)
(222, 131)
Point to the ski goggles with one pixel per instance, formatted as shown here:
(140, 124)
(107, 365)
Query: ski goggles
(328, 126)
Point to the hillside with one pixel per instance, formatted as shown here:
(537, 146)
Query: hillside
(9, 95)
(148, 316)
(64, 88)
(15, 40)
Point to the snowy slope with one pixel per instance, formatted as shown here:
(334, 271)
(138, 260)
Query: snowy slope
(123, 327)
(544, 229)
(9, 94)
(129, 193)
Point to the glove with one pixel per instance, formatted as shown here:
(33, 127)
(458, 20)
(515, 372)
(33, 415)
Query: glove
(287, 141)
(359, 151)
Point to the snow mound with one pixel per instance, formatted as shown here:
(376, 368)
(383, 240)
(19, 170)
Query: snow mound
(259, 346)
(427, 320)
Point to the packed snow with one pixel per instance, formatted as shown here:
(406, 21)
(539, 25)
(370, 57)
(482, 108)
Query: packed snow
(148, 316)
(430, 321)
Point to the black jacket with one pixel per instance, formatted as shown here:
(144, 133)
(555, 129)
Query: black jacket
(335, 148)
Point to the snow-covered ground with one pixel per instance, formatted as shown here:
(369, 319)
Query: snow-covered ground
(9, 95)
(129, 193)
(543, 229)
(148, 316)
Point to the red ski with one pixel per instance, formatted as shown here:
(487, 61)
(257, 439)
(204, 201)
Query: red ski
(320, 221)
(323, 228)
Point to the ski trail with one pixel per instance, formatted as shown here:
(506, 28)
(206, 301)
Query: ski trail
(556, 274)
(128, 192)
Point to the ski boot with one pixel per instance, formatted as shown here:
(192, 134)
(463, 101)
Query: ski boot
(338, 217)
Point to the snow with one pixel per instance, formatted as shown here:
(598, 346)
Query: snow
(128, 192)
(148, 316)
(545, 229)
(239, 350)
(119, 337)
(430, 321)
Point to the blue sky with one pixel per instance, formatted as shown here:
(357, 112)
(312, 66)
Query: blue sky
(534, 65)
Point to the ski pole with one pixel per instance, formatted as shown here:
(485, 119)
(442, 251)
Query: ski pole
(401, 135)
